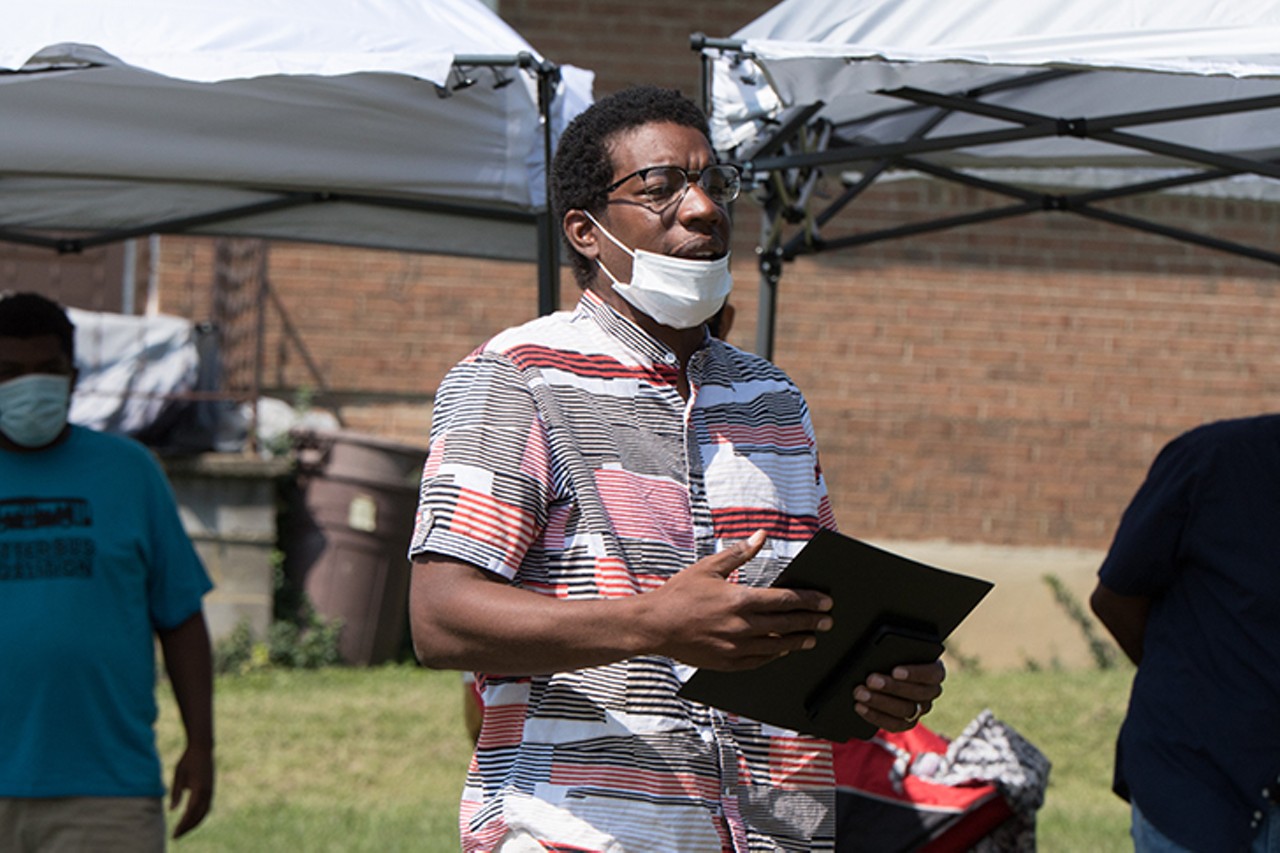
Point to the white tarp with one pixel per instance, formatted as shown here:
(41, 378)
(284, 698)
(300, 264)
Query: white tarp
(130, 368)
(1133, 55)
(321, 120)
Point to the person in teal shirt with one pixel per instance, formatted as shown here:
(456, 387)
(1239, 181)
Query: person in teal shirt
(94, 567)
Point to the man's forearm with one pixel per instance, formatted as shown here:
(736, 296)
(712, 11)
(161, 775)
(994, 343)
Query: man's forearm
(1125, 616)
(188, 659)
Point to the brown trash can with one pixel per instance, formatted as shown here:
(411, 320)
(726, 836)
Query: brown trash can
(347, 536)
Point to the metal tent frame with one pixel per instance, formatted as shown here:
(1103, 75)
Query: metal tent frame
(785, 165)
(242, 220)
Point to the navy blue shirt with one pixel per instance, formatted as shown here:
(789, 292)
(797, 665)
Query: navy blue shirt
(1199, 750)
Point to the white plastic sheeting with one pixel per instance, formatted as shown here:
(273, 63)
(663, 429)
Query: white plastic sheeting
(130, 369)
(155, 378)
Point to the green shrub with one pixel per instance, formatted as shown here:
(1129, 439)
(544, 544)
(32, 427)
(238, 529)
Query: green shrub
(298, 638)
(310, 643)
(1105, 653)
(235, 652)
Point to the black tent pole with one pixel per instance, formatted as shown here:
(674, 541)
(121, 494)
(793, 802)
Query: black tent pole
(768, 251)
(547, 232)
(770, 275)
(548, 229)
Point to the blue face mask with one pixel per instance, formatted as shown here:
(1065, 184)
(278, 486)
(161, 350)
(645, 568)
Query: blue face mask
(33, 408)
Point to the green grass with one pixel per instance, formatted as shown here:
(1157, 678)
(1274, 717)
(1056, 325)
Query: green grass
(1072, 717)
(373, 759)
(332, 760)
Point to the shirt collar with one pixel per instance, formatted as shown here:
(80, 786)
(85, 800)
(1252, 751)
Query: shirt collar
(632, 336)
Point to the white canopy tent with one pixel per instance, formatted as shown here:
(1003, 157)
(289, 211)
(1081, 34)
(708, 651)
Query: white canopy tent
(419, 125)
(1058, 106)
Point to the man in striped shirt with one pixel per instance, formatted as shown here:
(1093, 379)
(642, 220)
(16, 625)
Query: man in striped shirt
(608, 494)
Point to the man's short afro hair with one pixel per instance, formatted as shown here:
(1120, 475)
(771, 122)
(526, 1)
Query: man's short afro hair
(582, 167)
(31, 315)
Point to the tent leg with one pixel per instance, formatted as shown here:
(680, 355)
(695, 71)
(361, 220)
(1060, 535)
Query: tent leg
(548, 229)
(770, 274)
(548, 265)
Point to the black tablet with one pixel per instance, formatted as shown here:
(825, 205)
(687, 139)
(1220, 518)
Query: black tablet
(888, 610)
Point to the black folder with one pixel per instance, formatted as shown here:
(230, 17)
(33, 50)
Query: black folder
(888, 610)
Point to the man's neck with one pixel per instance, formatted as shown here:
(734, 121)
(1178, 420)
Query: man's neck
(9, 446)
(683, 342)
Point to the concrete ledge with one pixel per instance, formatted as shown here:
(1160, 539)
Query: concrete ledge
(226, 465)
(1019, 622)
(228, 506)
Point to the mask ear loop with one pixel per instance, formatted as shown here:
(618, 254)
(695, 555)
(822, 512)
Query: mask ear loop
(613, 240)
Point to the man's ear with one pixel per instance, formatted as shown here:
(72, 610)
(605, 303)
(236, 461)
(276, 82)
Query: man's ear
(581, 233)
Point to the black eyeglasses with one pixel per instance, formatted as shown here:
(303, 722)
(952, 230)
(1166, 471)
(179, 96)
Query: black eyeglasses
(664, 185)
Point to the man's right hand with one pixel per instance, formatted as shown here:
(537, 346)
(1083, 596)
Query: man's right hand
(465, 618)
(699, 618)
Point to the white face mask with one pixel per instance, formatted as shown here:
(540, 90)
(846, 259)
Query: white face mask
(33, 408)
(677, 292)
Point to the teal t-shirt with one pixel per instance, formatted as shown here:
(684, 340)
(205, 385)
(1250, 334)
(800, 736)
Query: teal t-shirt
(93, 560)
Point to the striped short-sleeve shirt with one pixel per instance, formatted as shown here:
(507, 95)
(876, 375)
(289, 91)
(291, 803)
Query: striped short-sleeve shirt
(564, 459)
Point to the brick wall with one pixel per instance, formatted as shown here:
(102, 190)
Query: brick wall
(1004, 384)
(625, 44)
(365, 333)
(1011, 383)
(92, 280)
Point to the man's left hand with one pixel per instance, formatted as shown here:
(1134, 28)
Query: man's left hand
(194, 777)
(895, 703)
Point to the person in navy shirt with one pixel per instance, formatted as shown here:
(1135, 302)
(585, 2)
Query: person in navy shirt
(1191, 592)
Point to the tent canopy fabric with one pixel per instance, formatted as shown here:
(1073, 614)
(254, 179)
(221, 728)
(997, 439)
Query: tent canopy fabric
(1058, 106)
(419, 125)
(856, 57)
